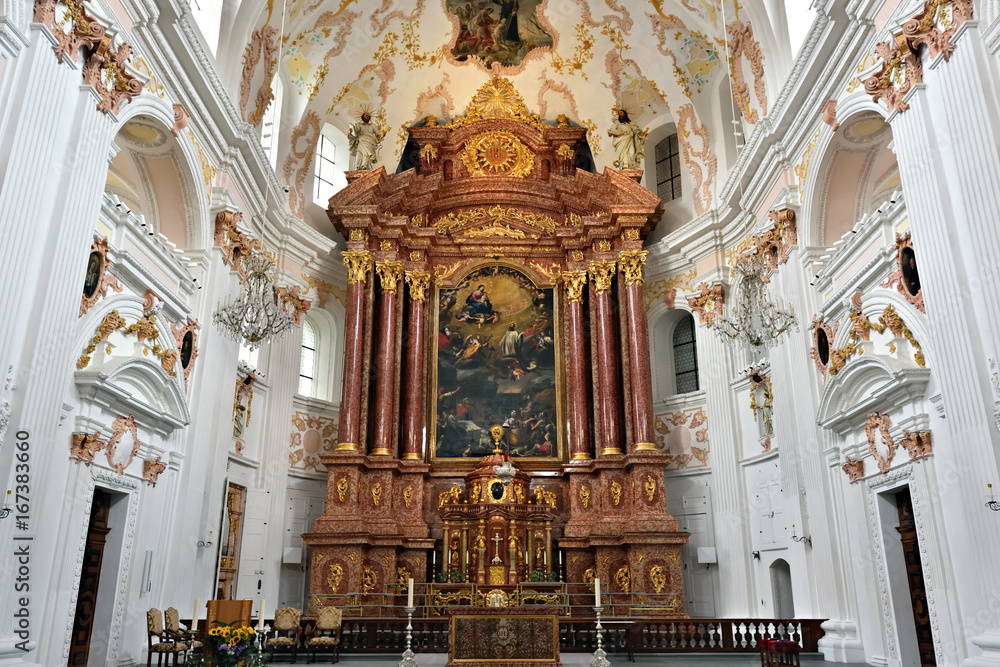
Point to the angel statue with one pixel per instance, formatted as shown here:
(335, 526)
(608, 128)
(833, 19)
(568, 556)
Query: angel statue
(628, 141)
(365, 142)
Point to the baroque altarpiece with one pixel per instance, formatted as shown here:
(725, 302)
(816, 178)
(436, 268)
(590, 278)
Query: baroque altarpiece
(494, 309)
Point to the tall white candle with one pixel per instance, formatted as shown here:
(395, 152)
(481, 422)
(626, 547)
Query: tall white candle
(597, 592)
(409, 592)
(260, 614)
(194, 616)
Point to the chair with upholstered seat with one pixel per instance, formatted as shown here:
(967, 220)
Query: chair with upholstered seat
(326, 636)
(285, 633)
(177, 633)
(160, 642)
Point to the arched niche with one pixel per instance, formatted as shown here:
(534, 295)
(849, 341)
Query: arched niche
(155, 176)
(781, 589)
(665, 330)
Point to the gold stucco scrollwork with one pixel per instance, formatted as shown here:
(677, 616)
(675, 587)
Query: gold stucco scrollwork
(402, 575)
(584, 495)
(631, 263)
(377, 493)
(369, 579)
(358, 263)
(450, 497)
(408, 495)
(623, 577)
(390, 273)
(342, 488)
(602, 272)
(334, 575)
(658, 577)
(574, 281)
(543, 497)
(650, 487)
(419, 282)
(616, 492)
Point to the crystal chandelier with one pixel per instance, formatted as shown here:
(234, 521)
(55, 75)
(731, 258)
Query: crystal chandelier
(255, 316)
(752, 317)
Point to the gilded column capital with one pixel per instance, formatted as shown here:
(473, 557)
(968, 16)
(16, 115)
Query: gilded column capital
(419, 282)
(602, 272)
(631, 263)
(358, 263)
(391, 272)
(574, 281)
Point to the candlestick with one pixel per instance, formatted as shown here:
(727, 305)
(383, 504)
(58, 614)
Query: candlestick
(409, 659)
(409, 592)
(597, 592)
(600, 657)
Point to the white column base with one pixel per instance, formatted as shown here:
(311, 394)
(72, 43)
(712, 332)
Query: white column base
(989, 643)
(841, 642)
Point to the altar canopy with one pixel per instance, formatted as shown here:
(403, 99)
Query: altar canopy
(496, 283)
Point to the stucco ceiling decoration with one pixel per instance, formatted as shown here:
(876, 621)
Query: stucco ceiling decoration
(396, 57)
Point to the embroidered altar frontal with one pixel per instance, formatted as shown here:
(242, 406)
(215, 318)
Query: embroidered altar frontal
(504, 639)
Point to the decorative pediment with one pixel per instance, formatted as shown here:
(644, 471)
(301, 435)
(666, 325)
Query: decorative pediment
(865, 385)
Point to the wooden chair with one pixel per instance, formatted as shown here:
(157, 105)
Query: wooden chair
(174, 630)
(326, 636)
(234, 612)
(164, 644)
(286, 632)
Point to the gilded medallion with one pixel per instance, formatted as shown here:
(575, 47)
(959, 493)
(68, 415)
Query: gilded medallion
(497, 153)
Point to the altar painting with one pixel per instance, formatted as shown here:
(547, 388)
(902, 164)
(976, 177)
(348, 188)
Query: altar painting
(496, 364)
(502, 31)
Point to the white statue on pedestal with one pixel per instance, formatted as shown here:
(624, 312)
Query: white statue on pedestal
(628, 141)
(365, 142)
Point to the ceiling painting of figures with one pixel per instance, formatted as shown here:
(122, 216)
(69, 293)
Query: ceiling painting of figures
(497, 31)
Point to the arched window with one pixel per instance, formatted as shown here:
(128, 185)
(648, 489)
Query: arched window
(332, 156)
(685, 356)
(307, 362)
(668, 169)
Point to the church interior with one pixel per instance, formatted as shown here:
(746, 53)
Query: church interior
(500, 332)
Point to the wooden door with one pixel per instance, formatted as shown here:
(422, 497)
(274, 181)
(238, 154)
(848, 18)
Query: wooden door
(915, 576)
(93, 555)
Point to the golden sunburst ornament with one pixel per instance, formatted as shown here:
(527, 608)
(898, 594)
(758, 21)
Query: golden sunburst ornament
(497, 153)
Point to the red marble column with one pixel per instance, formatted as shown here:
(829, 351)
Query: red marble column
(391, 273)
(640, 405)
(416, 371)
(606, 364)
(576, 367)
(358, 263)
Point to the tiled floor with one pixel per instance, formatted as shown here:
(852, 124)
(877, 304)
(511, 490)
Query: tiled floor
(582, 660)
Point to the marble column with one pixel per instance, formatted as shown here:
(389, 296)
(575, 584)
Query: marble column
(358, 263)
(416, 371)
(576, 367)
(390, 273)
(606, 401)
(640, 404)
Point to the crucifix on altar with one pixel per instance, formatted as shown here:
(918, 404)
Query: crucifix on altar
(496, 553)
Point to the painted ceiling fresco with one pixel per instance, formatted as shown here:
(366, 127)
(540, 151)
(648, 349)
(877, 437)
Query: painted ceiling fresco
(663, 60)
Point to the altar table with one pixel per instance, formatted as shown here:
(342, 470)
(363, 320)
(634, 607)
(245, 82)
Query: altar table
(494, 636)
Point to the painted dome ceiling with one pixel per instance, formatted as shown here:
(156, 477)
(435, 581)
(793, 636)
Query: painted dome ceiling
(662, 60)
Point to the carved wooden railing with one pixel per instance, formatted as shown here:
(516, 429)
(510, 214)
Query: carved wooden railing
(430, 635)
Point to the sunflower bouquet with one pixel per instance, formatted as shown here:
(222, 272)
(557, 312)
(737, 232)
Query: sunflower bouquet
(229, 645)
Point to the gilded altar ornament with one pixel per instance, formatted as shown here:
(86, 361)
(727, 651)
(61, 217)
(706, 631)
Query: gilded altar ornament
(450, 497)
(390, 273)
(497, 153)
(334, 576)
(584, 495)
(616, 492)
(602, 272)
(658, 577)
(543, 497)
(519, 493)
(419, 282)
(623, 577)
(428, 153)
(564, 151)
(377, 493)
(342, 488)
(369, 579)
(650, 487)
(358, 263)
(491, 217)
(408, 495)
(588, 578)
(602, 245)
(631, 263)
(497, 98)
(357, 235)
(402, 575)
(365, 142)
(574, 281)
(627, 139)
(474, 493)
